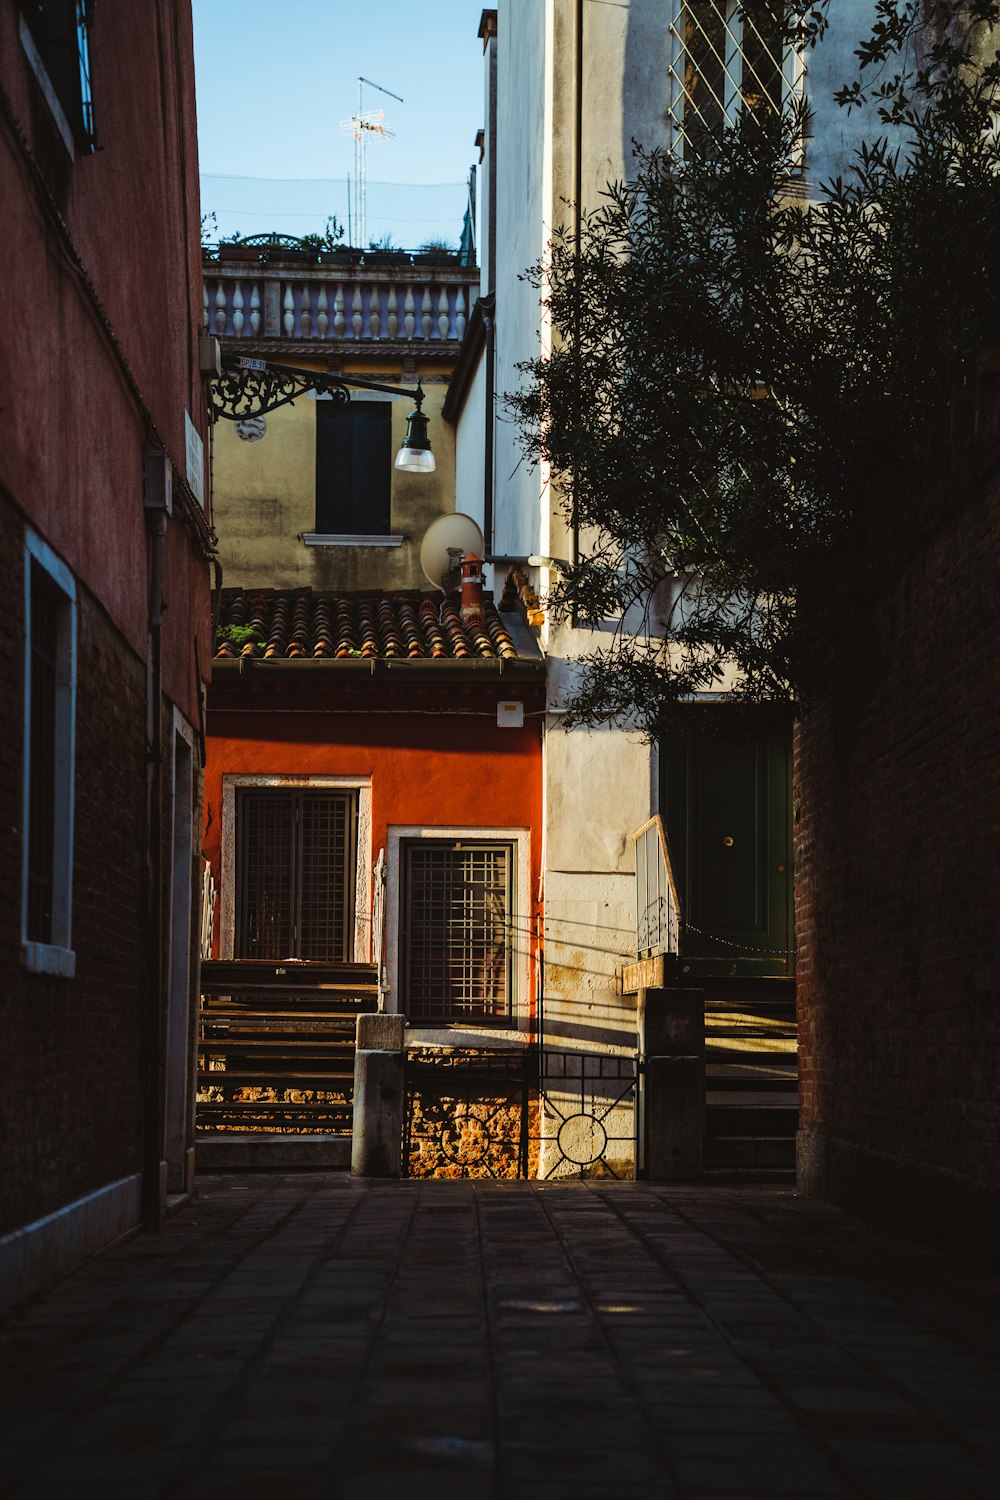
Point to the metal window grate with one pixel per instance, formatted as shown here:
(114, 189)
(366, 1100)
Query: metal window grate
(295, 889)
(724, 54)
(456, 931)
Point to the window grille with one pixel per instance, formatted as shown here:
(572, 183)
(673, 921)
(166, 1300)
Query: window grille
(724, 54)
(455, 937)
(295, 893)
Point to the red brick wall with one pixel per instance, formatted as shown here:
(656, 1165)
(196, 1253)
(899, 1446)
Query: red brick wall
(70, 1089)
(898, 887)
(100, 307)
(72, 433)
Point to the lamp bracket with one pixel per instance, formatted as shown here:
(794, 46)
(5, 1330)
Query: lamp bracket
(251, 387)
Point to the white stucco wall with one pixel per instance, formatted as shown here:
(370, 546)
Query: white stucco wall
(524, 156)
(835, 134)
(600, 786)
(470, 448)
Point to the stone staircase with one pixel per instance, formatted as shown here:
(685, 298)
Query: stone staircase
(751, 1080)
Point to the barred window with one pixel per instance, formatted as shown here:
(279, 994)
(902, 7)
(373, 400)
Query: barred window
(296, 854)
(455, 930)
(727, 53)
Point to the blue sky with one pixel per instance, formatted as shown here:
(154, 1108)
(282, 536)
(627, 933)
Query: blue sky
(274, 82)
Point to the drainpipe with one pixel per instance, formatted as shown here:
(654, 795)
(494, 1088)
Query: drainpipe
(577, 212)
(157, 505)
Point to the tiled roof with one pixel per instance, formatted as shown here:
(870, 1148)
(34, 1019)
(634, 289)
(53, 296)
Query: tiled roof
(300, 623)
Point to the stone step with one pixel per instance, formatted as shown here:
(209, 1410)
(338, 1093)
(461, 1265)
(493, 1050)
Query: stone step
(748, 1176)
(270, 1152)
(750, 1151)
(752, 1119)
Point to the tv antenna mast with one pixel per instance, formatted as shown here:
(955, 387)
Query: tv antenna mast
(361, 125)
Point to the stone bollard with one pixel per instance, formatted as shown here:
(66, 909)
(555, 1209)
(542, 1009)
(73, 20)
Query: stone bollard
(379, 1097)
(671, 1036)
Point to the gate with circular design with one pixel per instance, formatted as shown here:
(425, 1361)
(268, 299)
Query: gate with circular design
(587, 1117)
(520, 1112)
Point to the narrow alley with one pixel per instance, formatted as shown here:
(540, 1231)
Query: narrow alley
(314, 1335)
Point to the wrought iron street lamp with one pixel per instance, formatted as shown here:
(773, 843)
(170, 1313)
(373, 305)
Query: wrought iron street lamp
(249, 387)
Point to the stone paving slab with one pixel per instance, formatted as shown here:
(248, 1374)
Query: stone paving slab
(309, 1335)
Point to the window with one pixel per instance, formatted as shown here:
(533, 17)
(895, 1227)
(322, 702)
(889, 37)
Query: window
(353, 468)
(728, 52)
(49, 724)
(296, 853)
(455, 929)
(54, 34)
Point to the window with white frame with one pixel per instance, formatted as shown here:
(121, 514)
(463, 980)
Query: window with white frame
(728, 53)
(455, 929)
(55, 37)
(49, 755)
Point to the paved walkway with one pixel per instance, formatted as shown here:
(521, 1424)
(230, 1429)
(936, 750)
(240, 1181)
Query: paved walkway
(311, 1336)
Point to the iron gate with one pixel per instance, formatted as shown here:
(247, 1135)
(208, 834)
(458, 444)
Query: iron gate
(519, 1113)
(588, 1114)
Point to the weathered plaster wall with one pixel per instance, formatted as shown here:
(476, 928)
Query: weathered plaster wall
(266, 498)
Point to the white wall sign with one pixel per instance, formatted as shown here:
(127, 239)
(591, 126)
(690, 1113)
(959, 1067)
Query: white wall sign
(194, 454)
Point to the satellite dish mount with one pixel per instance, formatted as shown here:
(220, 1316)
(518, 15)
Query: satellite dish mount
(446, 542)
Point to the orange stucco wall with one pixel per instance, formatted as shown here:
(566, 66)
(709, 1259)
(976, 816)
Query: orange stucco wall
(431, 769)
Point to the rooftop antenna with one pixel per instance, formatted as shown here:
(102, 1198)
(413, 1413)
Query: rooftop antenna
(361, 125)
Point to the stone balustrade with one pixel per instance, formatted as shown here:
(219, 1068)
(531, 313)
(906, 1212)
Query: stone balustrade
(408, 304)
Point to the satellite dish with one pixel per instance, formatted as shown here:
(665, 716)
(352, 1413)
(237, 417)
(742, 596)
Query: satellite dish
(445, 543)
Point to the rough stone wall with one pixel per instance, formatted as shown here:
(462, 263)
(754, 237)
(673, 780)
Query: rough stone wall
(898, 886)
(464, 1123)
(70, 1089)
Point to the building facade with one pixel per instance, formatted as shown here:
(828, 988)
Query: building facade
(104, 509)
(893, 883)
(373, 785)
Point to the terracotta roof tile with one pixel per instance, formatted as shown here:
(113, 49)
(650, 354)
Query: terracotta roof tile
(299, 623)
(516, 590)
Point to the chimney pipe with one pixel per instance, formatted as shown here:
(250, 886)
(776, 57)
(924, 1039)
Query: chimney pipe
(472, 590)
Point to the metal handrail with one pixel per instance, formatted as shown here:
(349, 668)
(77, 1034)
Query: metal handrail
(657, 904)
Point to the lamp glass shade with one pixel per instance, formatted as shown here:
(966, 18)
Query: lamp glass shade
(416, 460)
(415, 453)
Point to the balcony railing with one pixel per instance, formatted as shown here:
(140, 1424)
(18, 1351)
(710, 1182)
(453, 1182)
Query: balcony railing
(657, 905)
(408, 303)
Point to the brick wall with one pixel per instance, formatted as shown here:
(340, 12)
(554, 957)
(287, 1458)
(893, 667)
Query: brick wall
(897, 825)
(70, 1091)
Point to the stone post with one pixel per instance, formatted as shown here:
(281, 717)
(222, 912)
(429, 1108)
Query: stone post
(671, 1040)
(379, 1097)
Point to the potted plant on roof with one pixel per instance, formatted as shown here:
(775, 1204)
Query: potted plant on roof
(436, 253)
(384, 252)
(291, 249)
(234, 247)
(332, 250)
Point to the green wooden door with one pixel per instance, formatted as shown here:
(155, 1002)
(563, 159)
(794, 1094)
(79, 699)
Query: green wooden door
(726, 808)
